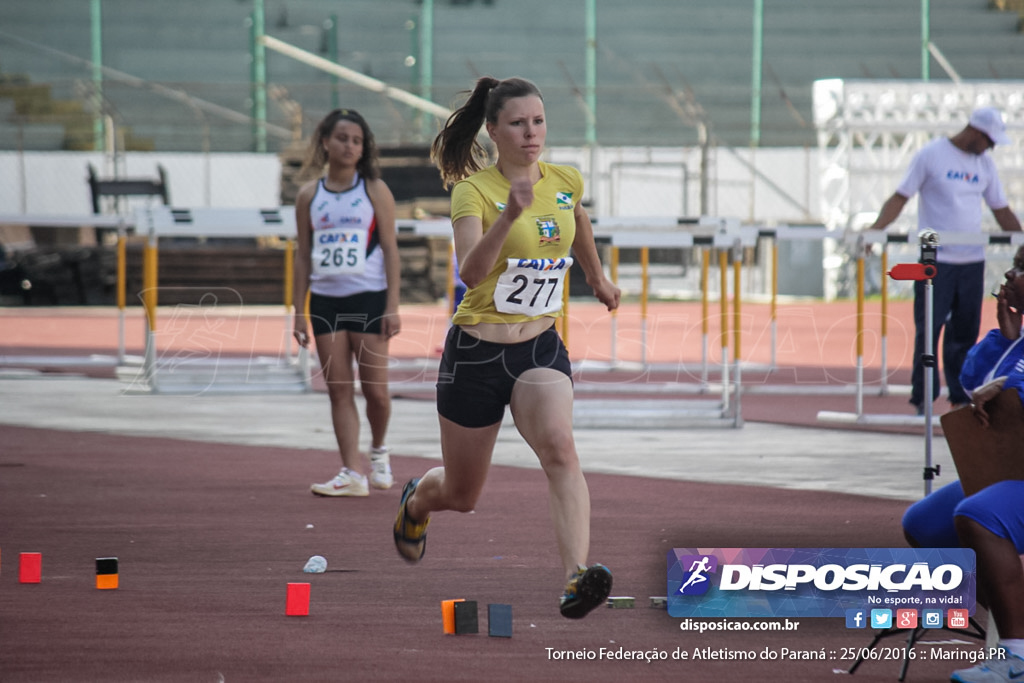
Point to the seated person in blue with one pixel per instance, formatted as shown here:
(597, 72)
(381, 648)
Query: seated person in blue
(992, 520)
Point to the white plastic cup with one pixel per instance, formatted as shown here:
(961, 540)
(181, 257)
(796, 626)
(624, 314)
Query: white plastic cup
(316, 565)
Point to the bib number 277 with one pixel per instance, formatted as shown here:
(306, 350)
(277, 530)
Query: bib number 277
(531, 286)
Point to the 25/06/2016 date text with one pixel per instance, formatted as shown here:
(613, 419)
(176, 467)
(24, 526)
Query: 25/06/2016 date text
(973, 655)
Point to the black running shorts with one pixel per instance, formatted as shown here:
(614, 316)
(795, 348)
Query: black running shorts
(475, 378)
(356, 313)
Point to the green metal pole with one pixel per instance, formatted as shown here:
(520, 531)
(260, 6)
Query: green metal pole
(925, 39)
(332, 50)
(755, 85)
(426, 62)
(259, 78)
(591, 73)
(590, 97)
(96, 23)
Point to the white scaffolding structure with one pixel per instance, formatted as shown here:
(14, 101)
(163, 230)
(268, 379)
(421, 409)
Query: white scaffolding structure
(868, 130)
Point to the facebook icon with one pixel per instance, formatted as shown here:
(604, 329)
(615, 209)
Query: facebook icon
(856, 618)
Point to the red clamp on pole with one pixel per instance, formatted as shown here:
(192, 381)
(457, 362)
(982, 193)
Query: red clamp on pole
(913, 271)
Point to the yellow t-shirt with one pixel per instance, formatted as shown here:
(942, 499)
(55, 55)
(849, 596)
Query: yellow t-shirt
(540, 237)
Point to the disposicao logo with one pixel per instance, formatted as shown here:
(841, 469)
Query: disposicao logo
(695, 581)
(817, 582)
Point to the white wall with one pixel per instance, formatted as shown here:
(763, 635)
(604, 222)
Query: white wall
(644, 181)
(649, 181)
(56, 182)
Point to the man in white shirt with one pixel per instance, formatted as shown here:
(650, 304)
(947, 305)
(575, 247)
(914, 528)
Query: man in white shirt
(952, 176)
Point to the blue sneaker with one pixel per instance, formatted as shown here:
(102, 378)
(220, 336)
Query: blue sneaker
(1009, 667)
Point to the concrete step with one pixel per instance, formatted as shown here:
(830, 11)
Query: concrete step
(224, 375)
(655, 414)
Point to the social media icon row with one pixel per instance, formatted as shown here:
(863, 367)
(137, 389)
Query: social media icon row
(906, 618)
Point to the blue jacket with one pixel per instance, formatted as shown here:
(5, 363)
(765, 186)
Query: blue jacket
(994, 351)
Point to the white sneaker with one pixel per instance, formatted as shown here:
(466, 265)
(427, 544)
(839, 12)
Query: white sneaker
(1009, 667)
(345, 483)
(380, 468)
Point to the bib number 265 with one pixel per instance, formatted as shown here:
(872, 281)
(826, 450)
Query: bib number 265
(339, 251)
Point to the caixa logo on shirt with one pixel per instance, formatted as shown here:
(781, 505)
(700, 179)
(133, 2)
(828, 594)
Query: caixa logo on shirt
(971, 178)
(789, 582)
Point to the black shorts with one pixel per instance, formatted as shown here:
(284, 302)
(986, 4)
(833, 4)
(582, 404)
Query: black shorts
(475, 378)
(357, 313)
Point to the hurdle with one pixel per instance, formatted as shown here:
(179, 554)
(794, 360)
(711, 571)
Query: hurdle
(748, 234)
(643, 234)
(605, 231)
(859, 417)
(289, 373)
(182, 375)
(855, 240)
(783, 233)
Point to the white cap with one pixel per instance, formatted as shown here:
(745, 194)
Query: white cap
(990, 122)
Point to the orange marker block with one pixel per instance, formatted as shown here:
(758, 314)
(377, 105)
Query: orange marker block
(448, 615)
(106, 573)
(30, 569)
(297, 604)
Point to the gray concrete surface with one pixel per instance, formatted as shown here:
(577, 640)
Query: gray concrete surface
(876, 464)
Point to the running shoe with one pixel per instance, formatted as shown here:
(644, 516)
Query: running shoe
(346, 483)
(1009, 667)
(410, 535)
(380, 468)
(588, 588)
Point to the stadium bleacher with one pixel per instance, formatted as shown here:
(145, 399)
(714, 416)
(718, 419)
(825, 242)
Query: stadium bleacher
(647, 51)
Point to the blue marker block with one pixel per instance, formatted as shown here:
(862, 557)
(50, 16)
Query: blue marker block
(499, 620)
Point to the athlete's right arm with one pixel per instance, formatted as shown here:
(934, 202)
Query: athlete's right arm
(303, 261)
(478, 251)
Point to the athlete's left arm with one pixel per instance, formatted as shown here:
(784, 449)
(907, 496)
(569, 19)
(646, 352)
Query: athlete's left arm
(384, 212)
(1007, 219)
(585, 252)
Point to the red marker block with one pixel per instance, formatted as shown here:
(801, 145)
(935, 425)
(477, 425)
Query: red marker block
(30, 569)
(297, 604)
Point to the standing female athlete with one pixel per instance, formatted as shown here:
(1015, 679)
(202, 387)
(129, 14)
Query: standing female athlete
(514, 224)
(347, 259)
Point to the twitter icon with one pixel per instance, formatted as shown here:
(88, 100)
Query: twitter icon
(881, 618)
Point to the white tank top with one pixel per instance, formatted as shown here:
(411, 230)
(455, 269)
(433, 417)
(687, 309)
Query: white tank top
(346, 253)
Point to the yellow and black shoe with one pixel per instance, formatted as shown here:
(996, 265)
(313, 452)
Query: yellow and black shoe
(588, 588)
(410, 535)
